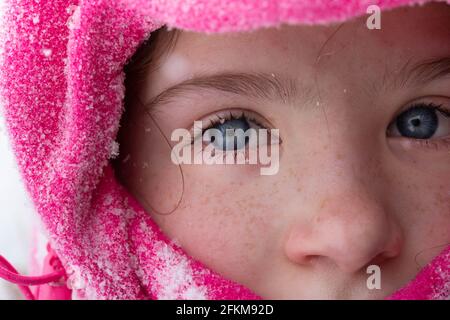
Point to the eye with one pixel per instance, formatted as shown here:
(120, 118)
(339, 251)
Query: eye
(232, 130)
(228, 139)
(421, 121)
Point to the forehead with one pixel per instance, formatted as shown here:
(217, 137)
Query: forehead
(406, 34)
(422, 29)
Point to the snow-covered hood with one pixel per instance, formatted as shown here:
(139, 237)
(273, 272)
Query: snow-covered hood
(62, 88)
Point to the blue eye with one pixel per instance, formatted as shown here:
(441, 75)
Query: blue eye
(229, 140)
(418, 122)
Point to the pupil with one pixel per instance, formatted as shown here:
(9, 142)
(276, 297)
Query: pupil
(416, 122)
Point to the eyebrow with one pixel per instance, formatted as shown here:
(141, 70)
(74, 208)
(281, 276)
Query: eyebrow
(278, 88)
(417, 73)
(253, 85)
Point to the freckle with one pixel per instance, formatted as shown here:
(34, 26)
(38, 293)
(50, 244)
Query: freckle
(318, 219)
(442, 199)
(322, 204)
(291, 171)
(431, 231)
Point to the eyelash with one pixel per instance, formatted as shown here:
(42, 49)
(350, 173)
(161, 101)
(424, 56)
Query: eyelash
(230, 116)
(227, 115)
(436, 144)
(432, 106)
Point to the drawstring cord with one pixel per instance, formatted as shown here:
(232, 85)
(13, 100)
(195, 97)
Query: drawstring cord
(10, 274)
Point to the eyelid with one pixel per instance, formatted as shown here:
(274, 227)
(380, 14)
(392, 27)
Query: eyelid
(427, 100)
(438, 145)
(212, 118)
(435, 144)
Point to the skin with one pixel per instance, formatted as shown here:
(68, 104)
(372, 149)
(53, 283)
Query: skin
(348, 193)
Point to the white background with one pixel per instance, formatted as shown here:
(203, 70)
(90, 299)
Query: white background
(16, 212)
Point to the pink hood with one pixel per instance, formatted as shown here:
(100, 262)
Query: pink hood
(62, 87)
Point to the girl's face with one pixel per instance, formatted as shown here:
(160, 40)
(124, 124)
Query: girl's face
(364, 174)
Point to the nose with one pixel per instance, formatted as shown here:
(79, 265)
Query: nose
(349, 229)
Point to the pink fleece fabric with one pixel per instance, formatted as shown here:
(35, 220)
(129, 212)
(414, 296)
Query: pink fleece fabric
(61, 83)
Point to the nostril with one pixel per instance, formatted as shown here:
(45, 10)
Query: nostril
(316, 260)
(312, 259)
(378, 260)
(384, 256)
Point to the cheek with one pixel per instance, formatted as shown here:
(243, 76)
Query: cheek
(418, 185)
(433, 230)
(223, 222)
(440, 224)
(426, 218)
(432, 211)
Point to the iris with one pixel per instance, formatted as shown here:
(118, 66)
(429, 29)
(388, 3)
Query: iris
(230, 140)
(418, 122)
